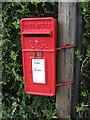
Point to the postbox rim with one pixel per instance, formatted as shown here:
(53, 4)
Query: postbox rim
(42, 18)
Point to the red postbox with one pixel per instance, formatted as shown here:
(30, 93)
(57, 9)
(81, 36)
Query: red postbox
(38, 37)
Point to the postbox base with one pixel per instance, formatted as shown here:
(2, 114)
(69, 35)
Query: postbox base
(42, 94)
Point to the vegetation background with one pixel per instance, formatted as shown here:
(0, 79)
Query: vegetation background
(15, 103)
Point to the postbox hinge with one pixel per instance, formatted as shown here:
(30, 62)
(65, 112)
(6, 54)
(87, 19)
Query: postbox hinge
(66, 83)
(68, 46)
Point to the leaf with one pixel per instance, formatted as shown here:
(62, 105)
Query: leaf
(88, 53)
(78, 55)
(14, 104)
(52, 3)
(84, 94)
(68, 118)
(82, 104)
(17, 24)
(13, 111)
(13, 55)
(77, 52)
(78, 109)
(17, 77)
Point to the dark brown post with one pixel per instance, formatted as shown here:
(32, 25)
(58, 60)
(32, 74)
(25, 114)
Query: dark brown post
(67, 21)
(0, 60)
(77, 63)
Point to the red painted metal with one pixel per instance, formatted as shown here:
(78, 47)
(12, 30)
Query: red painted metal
(69, 46)
(67, 83)
(39, 34)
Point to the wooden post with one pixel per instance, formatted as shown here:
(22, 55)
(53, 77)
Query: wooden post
(77, 63)
(0, 61)
(0, 43)
(67, 20)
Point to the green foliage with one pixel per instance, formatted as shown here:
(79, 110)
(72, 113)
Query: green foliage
(68, 118)
(84, 57)
(86, 27)
(17, 104)
(88, 53)
(79, 56)
(84, 94)
(17, 24)
(78, 109)
(81, 109)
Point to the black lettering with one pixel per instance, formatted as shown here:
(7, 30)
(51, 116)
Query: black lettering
(35, 69)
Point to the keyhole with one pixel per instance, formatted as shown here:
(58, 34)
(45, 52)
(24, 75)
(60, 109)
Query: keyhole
(37, 54)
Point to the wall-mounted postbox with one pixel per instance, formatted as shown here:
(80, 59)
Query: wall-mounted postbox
(38, 37)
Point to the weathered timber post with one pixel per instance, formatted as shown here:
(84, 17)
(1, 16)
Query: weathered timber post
(77, 63)
(67, 20)
(0, 60)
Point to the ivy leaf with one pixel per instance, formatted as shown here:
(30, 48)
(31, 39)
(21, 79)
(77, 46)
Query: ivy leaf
(84, 94)
(13, 55)
(78, 55)
(17, 24)
(14, 23)
(78, 109)
(88, 53)
(17, 77)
